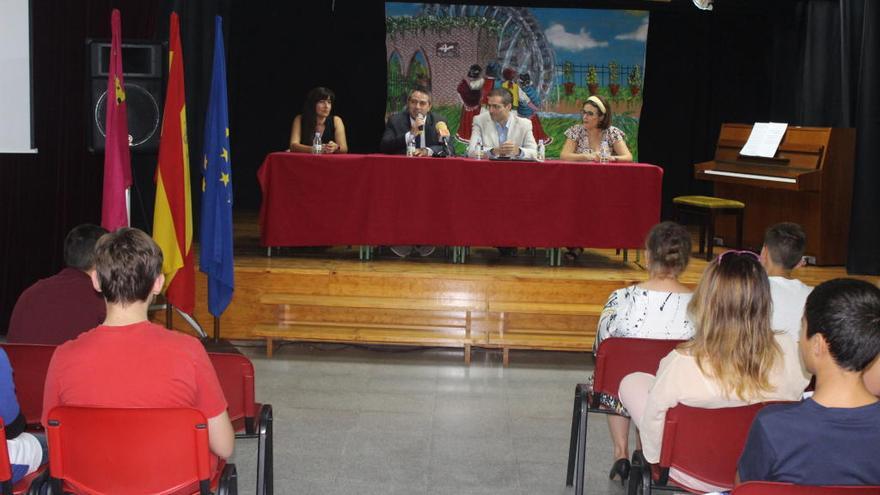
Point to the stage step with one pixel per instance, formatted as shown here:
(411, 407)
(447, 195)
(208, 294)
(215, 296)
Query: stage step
(546, 308)
(421, 303)
(450, 335)
(426, 321)
(372, 302)
(419, 335)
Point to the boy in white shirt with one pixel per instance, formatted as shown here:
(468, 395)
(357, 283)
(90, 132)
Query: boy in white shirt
(783, 251)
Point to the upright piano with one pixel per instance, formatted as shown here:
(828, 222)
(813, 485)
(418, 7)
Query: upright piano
(808, 181)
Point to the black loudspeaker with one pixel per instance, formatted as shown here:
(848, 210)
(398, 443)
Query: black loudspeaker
(143, 71)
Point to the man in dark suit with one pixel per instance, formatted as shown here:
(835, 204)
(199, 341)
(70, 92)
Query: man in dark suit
(416, 124)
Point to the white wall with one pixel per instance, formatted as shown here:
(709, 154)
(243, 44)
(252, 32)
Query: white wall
(15, 77)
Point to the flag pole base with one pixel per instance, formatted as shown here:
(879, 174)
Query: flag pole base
(189, 319)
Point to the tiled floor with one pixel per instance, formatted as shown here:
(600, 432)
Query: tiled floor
(405, 421)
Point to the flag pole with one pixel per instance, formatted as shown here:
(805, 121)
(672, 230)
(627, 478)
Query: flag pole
(216, 329)
(169, 312)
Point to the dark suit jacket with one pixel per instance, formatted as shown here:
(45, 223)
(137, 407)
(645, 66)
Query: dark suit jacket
(394, 137)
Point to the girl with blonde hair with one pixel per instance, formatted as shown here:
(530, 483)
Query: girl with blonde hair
(734, 358)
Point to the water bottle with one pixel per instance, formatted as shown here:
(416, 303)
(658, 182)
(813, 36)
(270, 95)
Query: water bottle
(604, 152)
(317, 147)
(411, 147)
(541, 150)
(478, 150)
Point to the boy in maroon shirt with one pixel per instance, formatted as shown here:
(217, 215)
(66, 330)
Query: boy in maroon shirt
(57, 309)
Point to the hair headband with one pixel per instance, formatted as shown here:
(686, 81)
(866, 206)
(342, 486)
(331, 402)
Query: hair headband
(598, 103)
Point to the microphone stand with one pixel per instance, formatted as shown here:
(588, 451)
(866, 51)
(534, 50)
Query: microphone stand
(444, 152)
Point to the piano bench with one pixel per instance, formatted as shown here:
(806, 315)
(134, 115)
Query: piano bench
(707, 208)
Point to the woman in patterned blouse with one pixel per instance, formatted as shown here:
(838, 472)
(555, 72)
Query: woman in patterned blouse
(653, 309)
(584, 141)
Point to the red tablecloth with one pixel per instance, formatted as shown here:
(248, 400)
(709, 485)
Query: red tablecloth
(312, 200)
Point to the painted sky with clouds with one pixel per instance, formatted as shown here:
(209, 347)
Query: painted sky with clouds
(582, 36)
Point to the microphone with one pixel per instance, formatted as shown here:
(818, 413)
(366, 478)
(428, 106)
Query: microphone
(420, 119)
(443, 131)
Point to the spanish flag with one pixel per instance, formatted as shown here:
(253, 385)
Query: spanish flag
(172, 217)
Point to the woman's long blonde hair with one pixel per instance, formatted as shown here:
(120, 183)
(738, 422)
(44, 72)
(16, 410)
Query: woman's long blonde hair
(734, 343)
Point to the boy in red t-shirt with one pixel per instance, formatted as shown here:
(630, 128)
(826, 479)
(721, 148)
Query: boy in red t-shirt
(128, 361)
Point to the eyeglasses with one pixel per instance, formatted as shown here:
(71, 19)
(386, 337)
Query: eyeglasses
(589, 113)
(738, 253)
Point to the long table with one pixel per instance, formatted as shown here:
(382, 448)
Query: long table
(314, 200)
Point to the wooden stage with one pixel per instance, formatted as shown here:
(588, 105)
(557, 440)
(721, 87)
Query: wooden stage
(328, 295)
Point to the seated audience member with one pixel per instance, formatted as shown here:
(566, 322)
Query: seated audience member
(317, 118)
(500, 132)
(583, 142)
(734, 358)
(26, 453)
(58, 308)
(417, 125)
(783, 251)
(653, 309)
(830, 438)
(129, 361)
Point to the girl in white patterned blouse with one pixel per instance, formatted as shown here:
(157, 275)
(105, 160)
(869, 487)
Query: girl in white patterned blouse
(653, 309)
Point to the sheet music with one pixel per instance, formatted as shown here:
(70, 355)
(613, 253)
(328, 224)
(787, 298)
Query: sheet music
(764, 139)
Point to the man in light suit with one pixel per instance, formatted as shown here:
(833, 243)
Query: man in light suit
(500, 132)
(417, 124)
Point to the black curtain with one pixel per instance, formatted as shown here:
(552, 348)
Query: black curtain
(862, 54)
(805, 62)
(703, 69)
(281, 50)
(44, 195)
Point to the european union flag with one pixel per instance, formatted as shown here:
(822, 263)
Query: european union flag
(215, 258)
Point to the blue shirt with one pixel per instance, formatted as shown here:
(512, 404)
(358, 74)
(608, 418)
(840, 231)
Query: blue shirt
(502, 129)
(9, 408)
(810, 444)
(502, 133)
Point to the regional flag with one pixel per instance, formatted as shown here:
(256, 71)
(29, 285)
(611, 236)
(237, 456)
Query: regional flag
(172, 217)
(215, 251)
(117, 160)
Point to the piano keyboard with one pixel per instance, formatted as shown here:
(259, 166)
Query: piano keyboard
(770, 178)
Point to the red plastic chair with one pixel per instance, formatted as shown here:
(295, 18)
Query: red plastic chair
(703, 443)
(30, 484)
(133, 451)
(615, 358)
(250, 419)
(30, 362)
(774, 488)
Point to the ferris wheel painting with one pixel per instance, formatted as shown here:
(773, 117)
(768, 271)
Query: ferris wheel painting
(551, 59)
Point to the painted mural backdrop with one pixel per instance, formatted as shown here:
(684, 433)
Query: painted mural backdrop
(554, 58)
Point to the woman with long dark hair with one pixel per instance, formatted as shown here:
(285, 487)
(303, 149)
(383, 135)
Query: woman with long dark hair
(317, 119)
